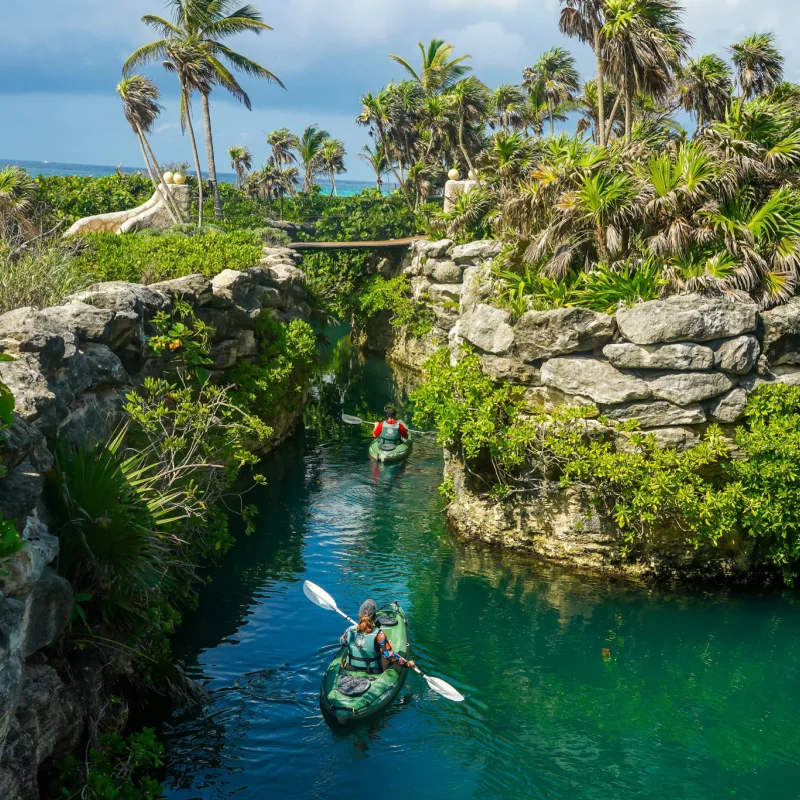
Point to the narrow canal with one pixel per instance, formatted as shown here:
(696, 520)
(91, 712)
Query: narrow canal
(576, 688)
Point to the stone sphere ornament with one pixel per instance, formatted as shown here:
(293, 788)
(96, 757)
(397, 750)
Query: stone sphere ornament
(453, 175)
(179, 178)
(473, 175)
(168, 177)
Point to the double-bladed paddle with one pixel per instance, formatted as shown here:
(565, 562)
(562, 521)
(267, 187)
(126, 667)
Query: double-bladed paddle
(318, 596)
(350, 420)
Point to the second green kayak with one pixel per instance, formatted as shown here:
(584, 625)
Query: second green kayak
(349, 696)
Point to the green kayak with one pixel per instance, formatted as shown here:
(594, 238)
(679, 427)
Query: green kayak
(347, 695)
(396, 453)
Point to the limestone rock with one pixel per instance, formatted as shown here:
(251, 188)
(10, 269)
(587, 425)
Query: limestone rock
(26, 567)
(677, 438)
(446, 318)
(685, 388)
(446, 272)
(438, 249)
(121, 296)
(267, 296)
(194, 288)
(48, 607)
(510, 370)
(420, 286)
(690, 317)
(680, 356)
(246, 345)
(737, 356)
(545, 334)
(487, 328)
(230, 287)
(475, 288)
(103, 365)
(92, 324)
(475, 252)
(729, 408)
(657, 414)
(25, 330)
(441, 292)
(782, 333)
(594, 378)
(93, 417)
(32, 393)
(223, 354)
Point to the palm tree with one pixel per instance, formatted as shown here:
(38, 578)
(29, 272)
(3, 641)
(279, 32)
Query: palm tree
(704, 86)
(470, 100)
(284, 145)
(17, 195)
(140, 102)
(377, 160)
(207, 23)
(331, 157)
(439, 70)
(643, 44)
(554, 75)
(759, 65)
(241, 163)
(584, 20)
(505, 103)
(310, 147)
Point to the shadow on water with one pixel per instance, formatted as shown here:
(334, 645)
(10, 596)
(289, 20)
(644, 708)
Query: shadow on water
(577, 687)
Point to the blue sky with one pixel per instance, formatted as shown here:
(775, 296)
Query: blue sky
(60, 61)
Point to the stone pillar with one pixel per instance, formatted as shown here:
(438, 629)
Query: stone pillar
(452, 189)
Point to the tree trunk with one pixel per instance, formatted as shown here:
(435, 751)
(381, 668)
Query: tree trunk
(470, 168)
(612, 116)
(169, 199)
(212, 164)
(628, 88)
(400, 182)
(196, 160)
(550, 114)
(601, 90)
(333, 183)
(156, 183)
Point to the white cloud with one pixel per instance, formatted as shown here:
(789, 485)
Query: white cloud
(489, 44)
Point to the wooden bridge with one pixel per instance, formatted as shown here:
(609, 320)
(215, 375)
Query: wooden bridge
(389, 244)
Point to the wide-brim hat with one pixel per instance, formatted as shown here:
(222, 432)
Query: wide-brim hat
(368, 609)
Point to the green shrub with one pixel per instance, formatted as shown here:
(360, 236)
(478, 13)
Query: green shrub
(10, 541)
(394, 294)
(148, 259)
(514, 447)
(71, 197)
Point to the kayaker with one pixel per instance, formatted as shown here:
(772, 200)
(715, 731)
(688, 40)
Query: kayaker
(368, 648)
(391, 431)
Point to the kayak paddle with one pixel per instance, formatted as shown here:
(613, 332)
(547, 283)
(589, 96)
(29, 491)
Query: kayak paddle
(358, 421)
(319, 597)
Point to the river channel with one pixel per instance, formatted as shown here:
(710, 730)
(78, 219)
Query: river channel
(576, 687)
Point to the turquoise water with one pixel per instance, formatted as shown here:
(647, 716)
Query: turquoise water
(696, 697)
(345, 188)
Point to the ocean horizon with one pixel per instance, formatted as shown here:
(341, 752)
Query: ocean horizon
(346, 188)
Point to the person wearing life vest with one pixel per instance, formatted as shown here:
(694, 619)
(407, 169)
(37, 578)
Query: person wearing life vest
(368, 648)
(391, 432)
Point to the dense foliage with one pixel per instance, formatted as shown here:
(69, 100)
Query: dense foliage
(718, 491)
(393, 295)
(10, 541)
(147, 259)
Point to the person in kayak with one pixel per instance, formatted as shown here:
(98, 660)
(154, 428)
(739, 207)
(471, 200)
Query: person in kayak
(368, 648)
(391, 432)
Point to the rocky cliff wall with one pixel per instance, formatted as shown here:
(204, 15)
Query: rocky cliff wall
(675, 365)
(73, 365)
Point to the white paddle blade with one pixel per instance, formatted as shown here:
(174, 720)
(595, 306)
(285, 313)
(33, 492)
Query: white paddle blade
(318, 596)
(352, 420)
(445, 689)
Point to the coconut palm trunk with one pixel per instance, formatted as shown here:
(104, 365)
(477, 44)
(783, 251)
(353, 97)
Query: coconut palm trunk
(212, 164)
(156, 183)
(628, 88)
(601, 95)
(169, 199)
(400, 181)
(612, 116)
(196, 156)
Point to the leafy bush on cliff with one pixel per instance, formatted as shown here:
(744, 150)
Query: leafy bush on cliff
(148, 259)
(513, 447)
(393, 294)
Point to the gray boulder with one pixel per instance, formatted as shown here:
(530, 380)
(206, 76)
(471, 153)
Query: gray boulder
(737, 356)
(689, 317)
(230, 288)
(680, 356)
(420, 286)
(510, 370)
(442, 292)
(657, 414)
(594, 378)
(25, 330)
(121, 296)
(545, 334)
(26, 567)
(475, 252)
(685, 388)
(48, 606)
(438, 249)
(476, 288)
(103, 366)
(782, 333)
(677, 438)
(194, 288)
(446, 272)
(729, 408)
(487, 328)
